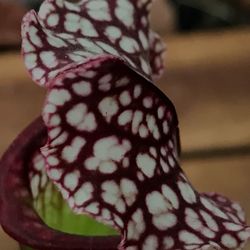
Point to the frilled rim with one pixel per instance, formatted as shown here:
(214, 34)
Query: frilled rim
(17, 215)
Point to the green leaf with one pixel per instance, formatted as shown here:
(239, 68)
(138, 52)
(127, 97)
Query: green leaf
(55, 212)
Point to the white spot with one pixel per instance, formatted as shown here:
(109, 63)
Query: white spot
(232, 226)
(137, 91)
(118, 221)
(229, 241)
(150, 243)
(49, 59)
(189, 238)
(233, 218)
(208, 232)
(244, 235)
(39, 163)
(55, 120)
(108, 48)
(136, 226)
(192, 219)
(129, 190)
(168, 242)
(104, 87)
(99, 10)
(108, 107)
(109, 148)
(137, 119)
(117, 153)
(125, 117)
(38, 73)
(151, 122)
(125, 12)
(156, 203)
(44, 180)
(111, 193)
(45, 11)
(165, 127)
(92, 208)
(91, 47)
(105, 79)
(132, 248)
(107, 167)
(171, 161)
(34, 38)
(89, 74)
(89, 123)
(122, 82)
(187, 192)
(125, 98)
(78, 118)
(56, 42)
(140, 176)
(102, 147)
(153, 128)
(143, 131)
(113, 32)
(211, 223)
(53, 20)
(148, 102)
(55, 174)
(59, 140)
(92, 163)
(147, 164)
(153, 151)
(160, 112)
(54, 133)
(156, 133)
(70, 201)
(129, 45)
(207, 203)
(71, 180)
(52, 161)
(30, 60)
(87, 28)
(83, 194)
(67, 36)
(143, 39)
(70, 153)
(164, 221)
(58, 96)
(120, 206)
(72, 22)
(65, 194)
(34, 185)
(76, 114)
(164, 165)
(82, 88)
(171, 196)
(236, 206)
(106, 214)
(75, 58)
(27, 47)
(125, 162)
(145, 66)
(163, 151)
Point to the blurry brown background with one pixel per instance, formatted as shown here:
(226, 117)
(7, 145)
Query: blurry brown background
(207, 78)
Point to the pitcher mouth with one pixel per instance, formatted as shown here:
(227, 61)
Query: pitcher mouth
(17, 214)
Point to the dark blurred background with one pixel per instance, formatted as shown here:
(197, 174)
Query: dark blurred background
(211, 14)
(207, 78)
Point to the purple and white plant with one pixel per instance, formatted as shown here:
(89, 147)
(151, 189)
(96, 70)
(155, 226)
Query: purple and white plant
(109, 139)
